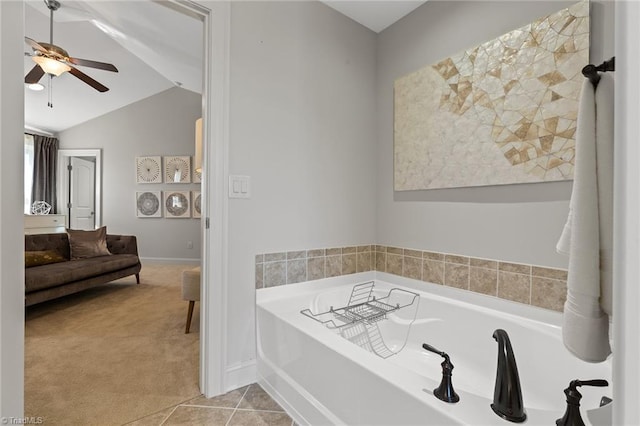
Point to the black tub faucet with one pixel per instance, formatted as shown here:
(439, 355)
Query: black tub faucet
(572, 414)
(445, 391)
(507, 396)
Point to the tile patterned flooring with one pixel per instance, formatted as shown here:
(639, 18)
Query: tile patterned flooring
(247, 406)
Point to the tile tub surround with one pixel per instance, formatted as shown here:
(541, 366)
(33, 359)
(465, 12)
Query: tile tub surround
(273, 269)
(529, 284)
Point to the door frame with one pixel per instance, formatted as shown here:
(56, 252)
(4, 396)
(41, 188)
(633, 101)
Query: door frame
(626, 228)
(63, 177)
(215, 208)
(214, 223)
(11, 210)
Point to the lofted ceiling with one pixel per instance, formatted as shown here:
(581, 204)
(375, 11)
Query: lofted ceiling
(374, 14)
(154, 44)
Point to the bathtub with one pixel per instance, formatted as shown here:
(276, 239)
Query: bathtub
(321, 378)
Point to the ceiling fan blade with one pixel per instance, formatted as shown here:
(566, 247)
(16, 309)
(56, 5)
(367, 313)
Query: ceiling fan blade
(90, 81)
(34, 75)
(35, 45)
(93, 64)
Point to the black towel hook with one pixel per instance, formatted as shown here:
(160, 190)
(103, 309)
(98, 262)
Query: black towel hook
(591, 71)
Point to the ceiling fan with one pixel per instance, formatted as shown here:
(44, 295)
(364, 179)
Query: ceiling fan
(54, 60)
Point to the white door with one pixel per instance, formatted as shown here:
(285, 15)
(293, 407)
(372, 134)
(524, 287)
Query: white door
(82, 176)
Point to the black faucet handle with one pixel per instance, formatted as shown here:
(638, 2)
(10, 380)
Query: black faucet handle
(572, 393)
(594, 382)
(572, 416)
(435, 351)
(445, 391)
(432, 349)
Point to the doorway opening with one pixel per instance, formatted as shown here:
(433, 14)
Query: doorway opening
(79, 186)
(210, 378)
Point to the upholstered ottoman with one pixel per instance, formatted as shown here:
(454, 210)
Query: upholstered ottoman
(190, 291)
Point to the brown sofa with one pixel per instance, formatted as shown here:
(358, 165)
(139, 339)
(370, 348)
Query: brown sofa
(45, 282)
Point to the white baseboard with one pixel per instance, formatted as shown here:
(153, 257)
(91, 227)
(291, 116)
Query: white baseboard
(170, 260)
(241, 374)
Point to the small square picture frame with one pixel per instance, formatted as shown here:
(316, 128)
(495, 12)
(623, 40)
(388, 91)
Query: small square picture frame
(149, 169)
(148, 204)
(196, 204)
(176, 204)
(177, 169)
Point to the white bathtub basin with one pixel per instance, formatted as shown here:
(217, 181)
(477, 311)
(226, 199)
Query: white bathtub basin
(321, 378)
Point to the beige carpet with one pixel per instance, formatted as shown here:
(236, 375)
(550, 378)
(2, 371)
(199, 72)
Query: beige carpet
(112, 354)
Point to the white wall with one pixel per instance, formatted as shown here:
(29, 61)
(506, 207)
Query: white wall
(302, 126)
(163, 124)
(11, 219)
(626, 297)
(519, 223)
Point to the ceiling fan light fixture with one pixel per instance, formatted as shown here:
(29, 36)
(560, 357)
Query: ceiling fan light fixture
(51, 66)
(36, 87)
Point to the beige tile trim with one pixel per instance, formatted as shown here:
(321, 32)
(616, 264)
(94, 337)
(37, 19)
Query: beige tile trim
(530, 284)
(274, 269)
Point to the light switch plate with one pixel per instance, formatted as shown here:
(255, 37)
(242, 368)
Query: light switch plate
(239, 186)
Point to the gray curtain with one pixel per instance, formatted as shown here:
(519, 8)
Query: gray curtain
(45, 161)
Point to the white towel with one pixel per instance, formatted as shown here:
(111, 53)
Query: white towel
(588, 234)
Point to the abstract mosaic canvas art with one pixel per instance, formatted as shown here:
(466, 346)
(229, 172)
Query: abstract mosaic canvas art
(503, 112)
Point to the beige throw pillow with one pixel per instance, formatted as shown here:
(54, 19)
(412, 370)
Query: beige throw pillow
(84, 244)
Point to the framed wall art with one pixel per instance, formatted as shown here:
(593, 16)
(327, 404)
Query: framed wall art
(148, 169)
(148, 204)
(196, 204)
(176, 204)
(502, 112)
(177, 169)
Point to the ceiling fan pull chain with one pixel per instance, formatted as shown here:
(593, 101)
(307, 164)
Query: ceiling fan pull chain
(50, 102)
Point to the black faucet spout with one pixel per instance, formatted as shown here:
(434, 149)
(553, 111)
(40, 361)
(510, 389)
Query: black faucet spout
(507, 396)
